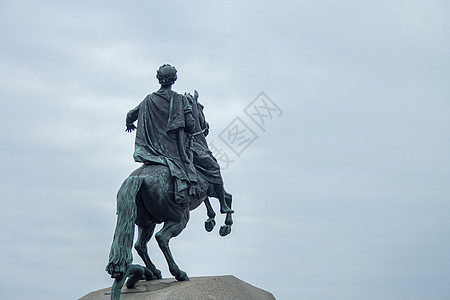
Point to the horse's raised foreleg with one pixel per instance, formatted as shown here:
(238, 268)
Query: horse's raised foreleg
(171, 229)
(210, 223)
(226, 229)
(144, 235)
(220, 194)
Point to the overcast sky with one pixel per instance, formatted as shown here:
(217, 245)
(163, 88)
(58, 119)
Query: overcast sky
(342, 194)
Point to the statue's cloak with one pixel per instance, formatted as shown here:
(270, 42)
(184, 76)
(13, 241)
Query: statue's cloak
(160, 116)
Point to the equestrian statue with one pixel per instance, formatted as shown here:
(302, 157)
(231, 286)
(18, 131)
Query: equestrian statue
(178, 174)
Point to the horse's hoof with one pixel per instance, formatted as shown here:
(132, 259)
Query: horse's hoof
(152, 275)
(157, 274)
(224, 230)
(182, 276)
(209, 224)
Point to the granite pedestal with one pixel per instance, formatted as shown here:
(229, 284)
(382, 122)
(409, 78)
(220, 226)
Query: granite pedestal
(198, 288)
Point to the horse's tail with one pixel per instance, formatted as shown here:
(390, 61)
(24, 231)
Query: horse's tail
(120, 256)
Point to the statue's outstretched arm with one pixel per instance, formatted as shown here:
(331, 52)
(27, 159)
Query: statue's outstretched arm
(132, 116)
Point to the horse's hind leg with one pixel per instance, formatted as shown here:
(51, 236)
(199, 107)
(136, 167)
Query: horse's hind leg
(171, 229)
(144, 235)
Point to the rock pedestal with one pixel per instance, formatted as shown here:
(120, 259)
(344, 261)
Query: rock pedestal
(198, 288)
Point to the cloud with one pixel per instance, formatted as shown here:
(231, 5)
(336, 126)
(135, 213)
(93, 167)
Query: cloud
(342, 196)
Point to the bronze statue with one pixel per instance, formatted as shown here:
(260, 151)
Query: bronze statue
(178, 174)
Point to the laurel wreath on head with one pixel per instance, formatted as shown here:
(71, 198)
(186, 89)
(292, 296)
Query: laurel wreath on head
(166, 74)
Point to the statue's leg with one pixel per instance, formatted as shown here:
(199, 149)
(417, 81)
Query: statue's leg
(210, 223)
(144, 235)
(171, 229)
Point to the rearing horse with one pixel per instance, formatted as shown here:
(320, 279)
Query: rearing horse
(147, 198)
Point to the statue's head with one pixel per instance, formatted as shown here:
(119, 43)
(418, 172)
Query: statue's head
(166, 74)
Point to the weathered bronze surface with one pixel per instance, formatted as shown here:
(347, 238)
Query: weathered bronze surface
(178, 174)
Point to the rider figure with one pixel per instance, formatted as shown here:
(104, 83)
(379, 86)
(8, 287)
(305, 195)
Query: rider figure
(163, 119)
